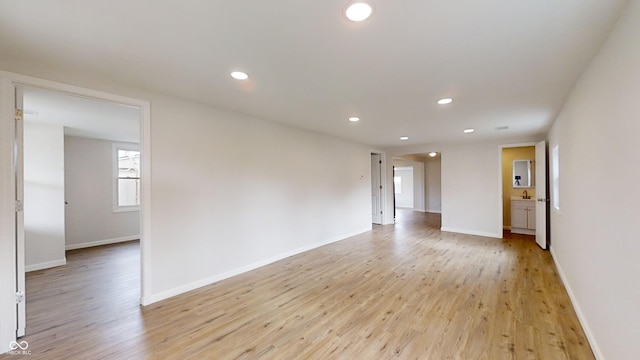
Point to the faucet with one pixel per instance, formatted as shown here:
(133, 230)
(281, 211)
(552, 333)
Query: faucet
(525, 195)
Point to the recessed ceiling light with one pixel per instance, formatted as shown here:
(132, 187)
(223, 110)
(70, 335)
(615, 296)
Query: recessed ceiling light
(239, 75)
(403, 138)
(354, 119)
(445, 101)
(433, 154)
(358, 11)
(469, 130)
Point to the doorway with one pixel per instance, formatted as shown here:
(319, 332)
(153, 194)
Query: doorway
(376, 188)
(12, 84)
(403, 187)
(72, 169)
(524, 191)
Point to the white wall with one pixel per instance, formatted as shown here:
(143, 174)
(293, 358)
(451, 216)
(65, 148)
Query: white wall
(471, 202)
(231, 192)
(44, 222)
(90, 219)
(404, 195)
(595, 234)
(433, 185)
(419, 187)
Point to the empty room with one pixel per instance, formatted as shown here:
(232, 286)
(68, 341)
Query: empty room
(323, 180)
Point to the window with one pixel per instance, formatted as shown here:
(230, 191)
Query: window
(127, 178)
(555, 176)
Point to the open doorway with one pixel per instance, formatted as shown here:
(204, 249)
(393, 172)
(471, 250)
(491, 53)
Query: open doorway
(417, 180)
(13, 309)
(376, 188)
(409, 178)
(518, 191)
(403, 187)
(82, 188)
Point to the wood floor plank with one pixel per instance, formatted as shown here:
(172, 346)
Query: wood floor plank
(407, 291)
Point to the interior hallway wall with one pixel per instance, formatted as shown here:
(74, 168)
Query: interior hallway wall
(404, 192)
(89, 187)
(433, 184)
(44, 223)
(595, 231)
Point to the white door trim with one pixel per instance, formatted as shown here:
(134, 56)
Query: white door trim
(376, 189)
(387, 191)
(8, 281)
(542, 198)
(13, 79)
(19, 191)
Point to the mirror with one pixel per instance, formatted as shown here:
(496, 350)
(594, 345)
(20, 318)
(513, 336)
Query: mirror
(522, 174)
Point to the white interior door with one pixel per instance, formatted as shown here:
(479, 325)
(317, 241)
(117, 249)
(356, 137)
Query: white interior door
(376, 188)
(541, 194)
(19, 174)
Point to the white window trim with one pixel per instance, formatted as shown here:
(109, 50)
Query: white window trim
(115, 148)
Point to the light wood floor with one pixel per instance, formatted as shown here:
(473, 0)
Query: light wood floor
(406, 291)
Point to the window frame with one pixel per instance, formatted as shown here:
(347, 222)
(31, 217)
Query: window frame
(115, 176)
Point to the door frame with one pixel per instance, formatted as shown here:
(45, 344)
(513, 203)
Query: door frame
(501, 202)
(8, 82)
(376, 172)
(542, 198)
(18, 173)
(387, 175)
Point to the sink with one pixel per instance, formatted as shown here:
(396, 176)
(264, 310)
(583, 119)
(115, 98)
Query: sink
(521, 198)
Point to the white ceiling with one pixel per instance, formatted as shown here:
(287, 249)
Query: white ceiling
(506, 63)
(81, 116)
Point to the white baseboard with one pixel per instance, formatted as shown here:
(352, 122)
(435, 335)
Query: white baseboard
(147, 300)
(576, 306)
(472, 232)
(434, 211)
(101, 242)
(523, 231)
(45, 265)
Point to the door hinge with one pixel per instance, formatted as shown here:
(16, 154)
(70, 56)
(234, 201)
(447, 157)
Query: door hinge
(380, 187)
(19, 297)
(380, 161)
(19, 114)
(19, 205)
(380, 212)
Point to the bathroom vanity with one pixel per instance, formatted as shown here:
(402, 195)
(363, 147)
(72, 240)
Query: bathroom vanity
(523, 216)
